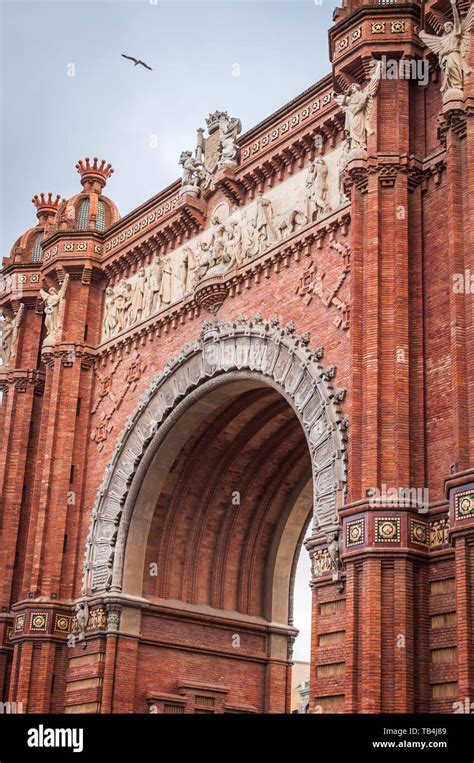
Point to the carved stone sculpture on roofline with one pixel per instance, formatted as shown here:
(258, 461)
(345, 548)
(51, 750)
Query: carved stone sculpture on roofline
(452, 48)
(216, 152)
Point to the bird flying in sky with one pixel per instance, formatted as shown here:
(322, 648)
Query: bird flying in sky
(131, 58)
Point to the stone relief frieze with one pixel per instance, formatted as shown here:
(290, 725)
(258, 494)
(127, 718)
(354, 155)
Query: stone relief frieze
(234, 238)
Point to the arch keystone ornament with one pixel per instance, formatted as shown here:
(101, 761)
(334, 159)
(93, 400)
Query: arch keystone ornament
(259, 350)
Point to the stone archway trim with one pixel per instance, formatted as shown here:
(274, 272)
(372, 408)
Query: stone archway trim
(278, 356)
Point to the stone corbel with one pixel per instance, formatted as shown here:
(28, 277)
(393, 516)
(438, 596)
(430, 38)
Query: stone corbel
(192, 212)
(233, 188)
(454, 118)
(357, 173)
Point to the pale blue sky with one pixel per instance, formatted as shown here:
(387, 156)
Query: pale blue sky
(302, 606)
(139, 120)
(112, 109)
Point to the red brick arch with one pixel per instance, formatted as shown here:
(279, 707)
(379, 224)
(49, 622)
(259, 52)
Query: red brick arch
(238, 356)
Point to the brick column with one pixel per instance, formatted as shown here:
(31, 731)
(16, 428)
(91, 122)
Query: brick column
(460, 490)
(49, 580)
(22, 386)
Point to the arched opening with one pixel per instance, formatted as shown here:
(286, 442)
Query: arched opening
(232, 505)
(215, 533)
(202, 513)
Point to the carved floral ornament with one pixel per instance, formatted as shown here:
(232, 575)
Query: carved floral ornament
(244, 349)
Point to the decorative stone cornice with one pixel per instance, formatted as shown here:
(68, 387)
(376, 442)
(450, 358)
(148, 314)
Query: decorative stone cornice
(395, 23)
(234, 189)
(67, 353)
(73, 244)
(280, 129)
(210, 293)
(19, 281)
(18, 379)
(389, 166)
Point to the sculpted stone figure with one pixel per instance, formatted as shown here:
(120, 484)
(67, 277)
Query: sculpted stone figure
(229, 150)
(321, 564)
(218, 240)
(252, 246)
(290, 222)
(6, 328)
(228, 254)
(452, 48)
(180, 275)
(357, 105)
(341, 165)
(123, 299)
(191, 168)
(204, 261)
(154, 278)
(334, 552)
(54, 307)
(266, 234)
(138, 297)
(82, 617)
(234, 242)
(155, 286)
(166, 291)
(219, 150)
(205, 179)
(110, 313)
(317, 189)
(9, 333)
(218, 256)
(190, 258)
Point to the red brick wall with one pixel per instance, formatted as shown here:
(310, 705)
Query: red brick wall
(410, 425)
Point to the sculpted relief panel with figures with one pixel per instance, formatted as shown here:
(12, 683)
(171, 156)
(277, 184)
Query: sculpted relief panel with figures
(233, 239)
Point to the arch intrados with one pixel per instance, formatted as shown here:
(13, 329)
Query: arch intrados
(190, 413)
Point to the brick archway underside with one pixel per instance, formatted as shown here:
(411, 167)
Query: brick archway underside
(215, 474)
(232, 508)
